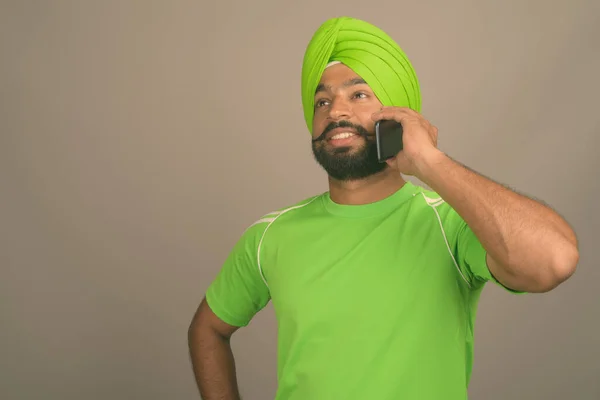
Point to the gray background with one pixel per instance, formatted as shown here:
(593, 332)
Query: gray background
(140, 138)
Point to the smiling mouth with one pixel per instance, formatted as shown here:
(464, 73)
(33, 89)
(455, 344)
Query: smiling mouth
(343, 139)
(347, 134)
(343, 135)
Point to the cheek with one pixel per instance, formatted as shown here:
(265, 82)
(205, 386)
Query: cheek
(366, 119)
(315, 130)
(317, 126)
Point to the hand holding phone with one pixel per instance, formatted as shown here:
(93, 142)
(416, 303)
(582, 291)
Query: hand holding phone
(388, 135)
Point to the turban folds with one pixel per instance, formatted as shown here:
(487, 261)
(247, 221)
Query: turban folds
(370, 53)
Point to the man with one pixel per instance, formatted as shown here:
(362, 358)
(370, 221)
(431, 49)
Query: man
(375, 283)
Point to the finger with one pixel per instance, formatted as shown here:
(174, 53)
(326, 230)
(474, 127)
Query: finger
(394, 108)
(395, 114)
(402, 164)
(403, 115)
(434, 135)
(428, 126)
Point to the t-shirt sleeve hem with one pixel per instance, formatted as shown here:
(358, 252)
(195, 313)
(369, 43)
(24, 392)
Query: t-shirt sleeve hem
(480, 269)
(508, 289)
(479, 253)
(223, 315)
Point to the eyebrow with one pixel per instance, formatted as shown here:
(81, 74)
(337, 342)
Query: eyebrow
(352, 82)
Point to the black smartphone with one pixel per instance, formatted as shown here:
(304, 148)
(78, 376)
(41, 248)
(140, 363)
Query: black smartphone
(388, 135)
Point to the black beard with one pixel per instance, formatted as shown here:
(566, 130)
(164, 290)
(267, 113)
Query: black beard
(340, 163)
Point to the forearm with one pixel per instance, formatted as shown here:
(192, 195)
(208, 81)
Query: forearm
(213, 365)
(525, 238)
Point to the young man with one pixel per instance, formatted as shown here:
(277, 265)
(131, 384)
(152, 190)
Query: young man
(375, 283)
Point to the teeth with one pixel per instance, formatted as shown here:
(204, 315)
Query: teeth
(343, 135)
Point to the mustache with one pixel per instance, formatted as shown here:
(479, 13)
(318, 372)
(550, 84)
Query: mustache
(342, 124)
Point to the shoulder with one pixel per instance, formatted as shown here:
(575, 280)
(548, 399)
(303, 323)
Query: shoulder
(286, 213)
(431, 199)
(429, 206)
(252, 240)
(438, 210)
(427, 197)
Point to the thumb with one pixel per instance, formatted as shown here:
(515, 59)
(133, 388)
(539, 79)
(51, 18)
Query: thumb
(392, 162)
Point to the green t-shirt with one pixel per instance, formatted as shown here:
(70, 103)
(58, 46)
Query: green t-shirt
(374, 301)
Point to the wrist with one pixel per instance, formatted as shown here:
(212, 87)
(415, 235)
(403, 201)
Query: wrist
(429, 164)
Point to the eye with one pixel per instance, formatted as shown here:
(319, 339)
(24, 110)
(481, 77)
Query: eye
(320, 103)
(361, 95)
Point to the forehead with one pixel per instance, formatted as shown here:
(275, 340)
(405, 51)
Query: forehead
(339, 76)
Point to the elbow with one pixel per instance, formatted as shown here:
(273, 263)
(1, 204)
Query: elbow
(561, 268)
(566, 263)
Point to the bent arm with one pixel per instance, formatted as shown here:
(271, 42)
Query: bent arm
(529, 246)
(212, 359)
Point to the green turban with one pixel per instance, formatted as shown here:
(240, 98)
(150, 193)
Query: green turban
(370, 53)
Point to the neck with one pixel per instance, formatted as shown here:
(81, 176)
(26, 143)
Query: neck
(369, 190)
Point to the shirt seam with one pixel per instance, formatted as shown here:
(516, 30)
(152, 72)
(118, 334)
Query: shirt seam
(271, 221)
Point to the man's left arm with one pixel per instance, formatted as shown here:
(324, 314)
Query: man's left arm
(529, 246)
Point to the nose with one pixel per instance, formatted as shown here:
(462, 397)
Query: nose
(340, 109)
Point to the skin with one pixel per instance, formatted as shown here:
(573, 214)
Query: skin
(530, 247)
(355, 103)
(212, 359)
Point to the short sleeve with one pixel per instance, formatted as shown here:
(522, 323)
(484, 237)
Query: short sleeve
(239, 292)
(468, 252)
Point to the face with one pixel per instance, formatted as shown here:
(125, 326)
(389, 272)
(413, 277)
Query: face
(343, 131)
